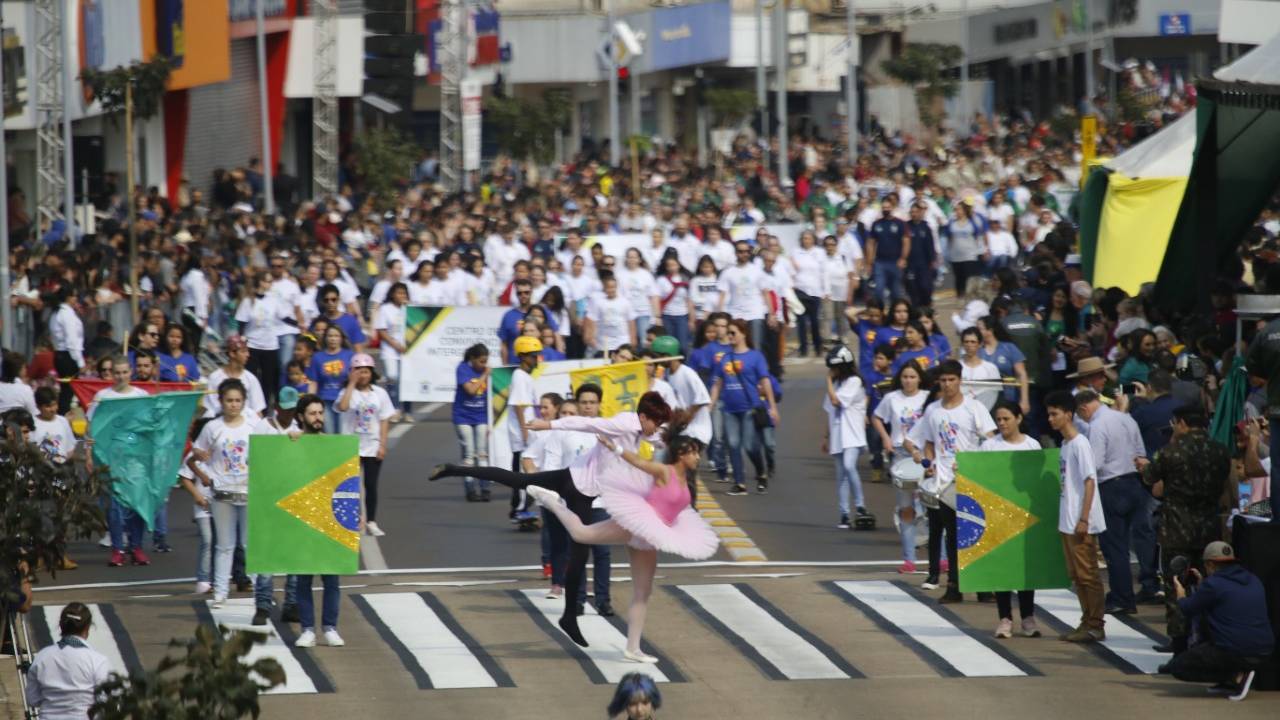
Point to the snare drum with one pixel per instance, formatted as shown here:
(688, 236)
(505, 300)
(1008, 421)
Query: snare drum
(906, 472)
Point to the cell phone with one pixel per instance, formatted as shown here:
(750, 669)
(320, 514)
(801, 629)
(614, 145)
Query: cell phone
(1129, 388)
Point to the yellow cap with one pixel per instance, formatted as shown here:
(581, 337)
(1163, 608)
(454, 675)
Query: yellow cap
(527, 344)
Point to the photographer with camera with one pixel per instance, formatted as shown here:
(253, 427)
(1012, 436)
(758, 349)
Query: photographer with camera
(1229, 610)
(1189, 475)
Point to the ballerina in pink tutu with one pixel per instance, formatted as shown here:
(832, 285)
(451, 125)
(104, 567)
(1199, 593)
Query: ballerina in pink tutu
(651, 508)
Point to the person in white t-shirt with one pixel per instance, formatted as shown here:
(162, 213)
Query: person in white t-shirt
(974, 368)
(845, 403)
(260, 316)
(1008, 417)
(389, 324)
(636, 283)
(286, 292)
(237, 355)
(895, 415)
(201, 503)
(743, 296)
(610, 320)
(691, 393)
(52, 433)
(1001, 244)
(14, 392)
(1080, 518)
(522, 398)
(952, 424)
(720, 251)
(366, 413)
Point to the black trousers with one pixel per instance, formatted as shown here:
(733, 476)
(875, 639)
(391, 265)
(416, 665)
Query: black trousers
(963, 271)
(943, 518)
(371, 468)
(560, 481)
(67, 368)
(809, 325)
(265, 365)
(1209, 663)
(1026, 604)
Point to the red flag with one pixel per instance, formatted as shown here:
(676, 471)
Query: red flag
(86, 389)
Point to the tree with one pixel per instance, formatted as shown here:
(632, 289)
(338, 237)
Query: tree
(42, 506)
(730, 106)
(384, 159)
(212, 682)
(925, 67)
(526, 128)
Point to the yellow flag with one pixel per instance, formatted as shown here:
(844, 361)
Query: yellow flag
(622, 385)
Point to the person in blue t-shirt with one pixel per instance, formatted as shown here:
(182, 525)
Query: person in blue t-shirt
(998, 349)
(513, 319)
(768, 434)
(176, 364)
(874, 373)
(330, 302)
(937, 340)
(915, 347)
(888, 248)
(867, 325)
(741, 376)
(330, 367)
(471, 416)
(708, 348)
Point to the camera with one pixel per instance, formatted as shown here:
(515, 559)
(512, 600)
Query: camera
(1180, 566)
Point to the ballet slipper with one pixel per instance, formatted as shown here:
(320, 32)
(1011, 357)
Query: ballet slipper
(439, 471)
(549, 499)
(638, 656)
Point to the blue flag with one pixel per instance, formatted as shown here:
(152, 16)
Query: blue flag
(140, 440)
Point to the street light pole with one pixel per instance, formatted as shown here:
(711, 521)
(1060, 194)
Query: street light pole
(780, 62)
(962, 128)
(762, 88)
(1088, 57)
(267, 164)
(851, 83)
(615, 130)
(68, 171)
(6, 309)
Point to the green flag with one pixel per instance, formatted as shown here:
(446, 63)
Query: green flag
(304, 505)
(1007, 521)
(140, 440)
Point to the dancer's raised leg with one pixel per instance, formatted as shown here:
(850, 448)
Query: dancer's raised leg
(608, 532)
(560, 481)
(644, 565)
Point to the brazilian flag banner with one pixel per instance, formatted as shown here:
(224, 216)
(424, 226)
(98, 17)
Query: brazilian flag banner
(1007, 521)
(304, 505)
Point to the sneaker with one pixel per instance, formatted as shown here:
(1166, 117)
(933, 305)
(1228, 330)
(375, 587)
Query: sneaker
(372, 528)
(951, 596)
(907, 567)
(1029, 628)
(67, 563)
(605, 609)
(844, 522)
(245, 585)
(473, 497)
(306, 640)
(117, 558)
(140, 558)
(204, 588)
(546, 570)
(105, 541)
(737, 490)
(261, 616)
(333, 639)
(944, 566)
(485, 496)
(722, 479)
(930, 583)
(161, 545)
(555, 593)
(1244, 687)
(218, 601)
(1083, 635)
(1005, 628)
(762, 487)
(289, 614)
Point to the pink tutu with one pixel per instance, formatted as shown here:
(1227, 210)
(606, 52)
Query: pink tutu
(623, 493)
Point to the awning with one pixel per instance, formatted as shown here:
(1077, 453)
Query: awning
(300, 81)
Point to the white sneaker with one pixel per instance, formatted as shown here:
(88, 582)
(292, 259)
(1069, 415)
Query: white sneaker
(546, 498)
(105, 541)
(332, 638)
(555, 593)
(203, 587)
(306, 640)
(1005, 628)
(218, 601)
(372, 528)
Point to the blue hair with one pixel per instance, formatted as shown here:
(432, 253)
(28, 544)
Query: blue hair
(633, 686)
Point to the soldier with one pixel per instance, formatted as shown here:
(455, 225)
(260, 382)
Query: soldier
(1190, 474)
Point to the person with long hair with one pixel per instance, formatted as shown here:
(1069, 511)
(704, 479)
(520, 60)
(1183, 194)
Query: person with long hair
(974, 368)
(366, 412)
(1141, 347)
(388, 323)
(176, 364)
(999, 349)
(650, 506)
(220, 460)
(636, 284)
(675, 301)
(893, 418)
(966, 245)
(914, 348)
(580, 483)
(740, 377)
(1012, 437)
(896, 320)
(330, 368)
(810, 287)
(470, 417)
(937, 339)
(705, 288)
(636, 698)
(845, 403)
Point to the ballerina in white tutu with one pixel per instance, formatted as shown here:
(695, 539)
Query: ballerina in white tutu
(651, 508)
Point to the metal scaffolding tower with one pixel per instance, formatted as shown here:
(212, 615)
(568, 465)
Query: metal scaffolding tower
(324, 153)
(52, 154)
(452, 53)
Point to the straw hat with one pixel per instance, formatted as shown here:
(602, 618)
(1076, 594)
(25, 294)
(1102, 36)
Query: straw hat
(1090, 366)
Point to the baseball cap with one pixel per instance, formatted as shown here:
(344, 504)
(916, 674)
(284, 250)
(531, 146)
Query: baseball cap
(361, 360)
(287, 399)
(1219, 551)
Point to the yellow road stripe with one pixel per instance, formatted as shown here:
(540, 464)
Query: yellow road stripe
(735, 540)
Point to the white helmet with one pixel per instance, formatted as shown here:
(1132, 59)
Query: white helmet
(839, 355)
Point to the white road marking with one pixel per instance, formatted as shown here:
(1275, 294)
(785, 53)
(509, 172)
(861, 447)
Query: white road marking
(1128, 644)
(239, 612)
(606, 642)
(429, 643)
(101, 637)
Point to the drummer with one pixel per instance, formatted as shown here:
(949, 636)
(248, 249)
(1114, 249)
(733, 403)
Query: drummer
(893, 418)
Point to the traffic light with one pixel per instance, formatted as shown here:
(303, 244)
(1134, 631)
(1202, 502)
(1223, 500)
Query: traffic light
(389, 48)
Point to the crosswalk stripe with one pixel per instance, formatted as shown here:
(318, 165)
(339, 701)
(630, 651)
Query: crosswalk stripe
(302, 673)
(936, 635)
(108, 635)
(602, 661)
(1127, 647)
(434, 648)
(782, 649)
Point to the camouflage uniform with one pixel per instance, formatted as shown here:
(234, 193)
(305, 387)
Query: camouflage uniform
(1194, 469)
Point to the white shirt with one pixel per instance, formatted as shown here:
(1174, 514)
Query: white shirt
(521, 393)
(997, 443)
(580, 288)
(254, 399)
(501, 256)
(807, 264)
(950, 431)
(228, 448)
(721, 252)
(67, 333)
(673, 297)
(262, 318)
(691, 392)
(847, 423)
(900, 412)
(363, 418)
(653, 254)
(17, 394)
(306, 302)
(835, 276)
(108, 393)
(390, 317)
(743, 298)
(285, 291)
(418, 292)
(663, 388)
(563, 447)
(62, 678)
(1075, 463)
(689, 250)
(195, 293)
(54, 437)
(705, 291)
(1001, 243)
(613, 321)
(639, 288)
(987, 371)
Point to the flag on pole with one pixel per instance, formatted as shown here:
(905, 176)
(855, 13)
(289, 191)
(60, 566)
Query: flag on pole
(1007, 521)
(304, 505)
(85, 389)
(140, 440)
(622, 385)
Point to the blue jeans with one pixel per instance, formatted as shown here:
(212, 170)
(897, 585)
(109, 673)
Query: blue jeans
(160, 524)
(263, 587)
(290, 589)
(1126, 508)
(285, 354)
(757, 333)
(232, 526)
(601, 557)
(740, 436)
(332, 418)
(847, 479)
(556, 546)
(887, 278)
(307, 602)
(719, 458)
(642, 324)
(677, 326)
(121, 521)
(473, 440)
(768, 438)
(204, 556)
